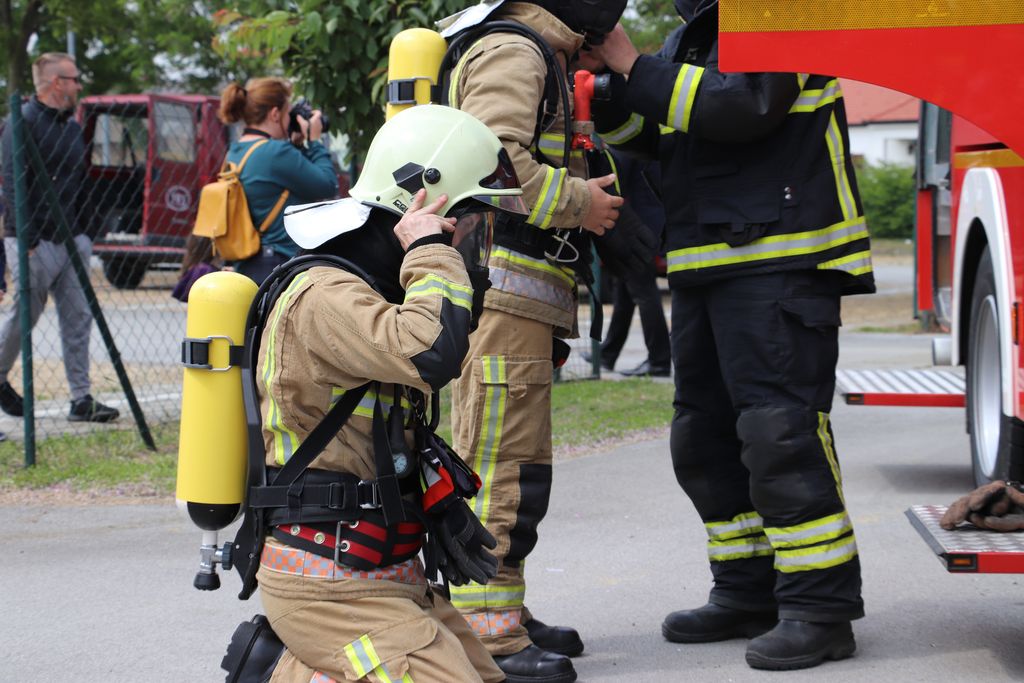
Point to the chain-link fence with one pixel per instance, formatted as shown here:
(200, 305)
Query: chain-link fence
(117, 180)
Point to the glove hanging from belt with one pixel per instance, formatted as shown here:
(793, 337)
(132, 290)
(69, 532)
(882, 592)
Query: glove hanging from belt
(998, 506)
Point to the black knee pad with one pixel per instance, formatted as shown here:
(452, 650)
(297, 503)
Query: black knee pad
(253, 652)
(534, 495)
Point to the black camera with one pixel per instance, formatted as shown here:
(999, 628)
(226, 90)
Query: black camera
(303, 108)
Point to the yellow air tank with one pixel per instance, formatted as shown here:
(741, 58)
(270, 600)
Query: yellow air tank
(213, 447)
(413, 61)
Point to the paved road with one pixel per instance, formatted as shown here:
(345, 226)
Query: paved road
(103, 593)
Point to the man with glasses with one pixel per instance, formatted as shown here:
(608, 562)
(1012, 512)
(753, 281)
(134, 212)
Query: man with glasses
(49, 121)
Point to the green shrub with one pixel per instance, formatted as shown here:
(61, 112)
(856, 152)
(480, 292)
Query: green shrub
(887, 191)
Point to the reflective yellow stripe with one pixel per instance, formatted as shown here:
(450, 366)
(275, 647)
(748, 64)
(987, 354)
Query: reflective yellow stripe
(615, 170)
(801, 80)
(542, 265)
(680, 106)
(552, 145)
(492, 422)
(816, 557)
(460, 295)
(547, 200)
(739, 548)
(626, 132)
(665, 130)
(816, 98)
(838, 15)
(825, 437)
(834, 140)
(362, 655)
(858, 263)
(816, 531)
(774, 246)
(365, 407)
(743, 524)
(285, 440)
(473, 595)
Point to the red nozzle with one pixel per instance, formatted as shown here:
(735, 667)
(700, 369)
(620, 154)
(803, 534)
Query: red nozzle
(583, 92)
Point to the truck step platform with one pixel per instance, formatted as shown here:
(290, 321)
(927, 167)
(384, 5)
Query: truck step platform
(969, 549)
(931, 387)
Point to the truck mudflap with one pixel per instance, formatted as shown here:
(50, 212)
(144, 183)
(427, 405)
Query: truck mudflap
(968, 549)
(932, 387)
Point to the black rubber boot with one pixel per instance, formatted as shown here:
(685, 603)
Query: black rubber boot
(801, 645)
(561, 640)
(253, 652)
(534, 665)
(712, 622)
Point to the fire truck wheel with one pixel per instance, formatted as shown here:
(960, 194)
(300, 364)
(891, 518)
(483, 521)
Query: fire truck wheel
(124, 272)
(989, 451)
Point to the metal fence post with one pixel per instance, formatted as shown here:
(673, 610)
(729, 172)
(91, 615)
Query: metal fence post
(18, 137)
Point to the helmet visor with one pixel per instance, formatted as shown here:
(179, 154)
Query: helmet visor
(473, 237)
(502, 178)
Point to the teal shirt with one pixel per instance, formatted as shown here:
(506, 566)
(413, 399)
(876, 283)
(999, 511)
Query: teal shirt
(278, 165)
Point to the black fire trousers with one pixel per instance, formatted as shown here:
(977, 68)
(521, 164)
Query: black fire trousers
(637, 290)
(752, 444)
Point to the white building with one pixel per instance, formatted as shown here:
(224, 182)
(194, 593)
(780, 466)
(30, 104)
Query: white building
(883, 123)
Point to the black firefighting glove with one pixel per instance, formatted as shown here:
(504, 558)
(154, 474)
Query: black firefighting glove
(464, 544)
(991, 501)
(629, 247)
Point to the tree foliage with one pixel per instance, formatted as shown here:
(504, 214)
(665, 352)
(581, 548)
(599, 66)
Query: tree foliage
(336, 52)
(650, 23)
(121, 45)
(887, 191)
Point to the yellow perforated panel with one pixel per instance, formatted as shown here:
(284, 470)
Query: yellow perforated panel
(833, 15)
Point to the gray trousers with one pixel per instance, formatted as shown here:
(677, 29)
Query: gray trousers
(50, 270)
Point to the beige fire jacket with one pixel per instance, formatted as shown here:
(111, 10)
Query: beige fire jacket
(329, 332)
(500, 80)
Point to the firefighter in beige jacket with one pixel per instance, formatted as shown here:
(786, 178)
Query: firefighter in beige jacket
(348, 595)
(501, 403)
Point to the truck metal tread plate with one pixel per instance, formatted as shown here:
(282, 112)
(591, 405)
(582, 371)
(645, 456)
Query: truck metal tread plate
(931, 387)
(968, 549)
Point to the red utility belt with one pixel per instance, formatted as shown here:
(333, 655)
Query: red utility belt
(365, 544)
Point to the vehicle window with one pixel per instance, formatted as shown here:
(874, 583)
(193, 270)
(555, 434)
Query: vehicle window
(175, 132)
(120, 140)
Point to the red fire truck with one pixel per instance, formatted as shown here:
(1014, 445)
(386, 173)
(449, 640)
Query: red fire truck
(965, 59)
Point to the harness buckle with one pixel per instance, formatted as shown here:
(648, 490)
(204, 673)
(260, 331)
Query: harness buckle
(340, 546)
(369, 488)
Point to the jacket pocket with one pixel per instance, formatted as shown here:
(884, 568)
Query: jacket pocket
(742, 216)
(384, 655)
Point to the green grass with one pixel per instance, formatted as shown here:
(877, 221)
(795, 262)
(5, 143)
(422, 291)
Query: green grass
(584, 414)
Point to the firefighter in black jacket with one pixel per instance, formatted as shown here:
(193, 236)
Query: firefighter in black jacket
(765, 232)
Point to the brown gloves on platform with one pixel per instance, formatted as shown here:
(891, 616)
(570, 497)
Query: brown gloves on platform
(998, 506)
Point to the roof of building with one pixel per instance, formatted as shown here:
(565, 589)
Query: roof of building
(866, 103)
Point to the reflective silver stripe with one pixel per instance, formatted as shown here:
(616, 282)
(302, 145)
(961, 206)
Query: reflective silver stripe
(741, 525)
(552, 145)
(819, 530)
(854, 264)
(816, 557)
(474, 595)
(365, 406)
(681, 104)
(503, 280)
(810, 100)
(834, 139)
(627, 131)
(775, 246)
(738, 549)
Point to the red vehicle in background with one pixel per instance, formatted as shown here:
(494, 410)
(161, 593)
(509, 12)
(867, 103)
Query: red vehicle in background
(965, 60)
(148, 157)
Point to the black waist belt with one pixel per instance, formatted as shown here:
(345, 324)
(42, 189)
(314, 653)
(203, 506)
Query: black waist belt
(317, 495)
(524, 238)
(366, 543)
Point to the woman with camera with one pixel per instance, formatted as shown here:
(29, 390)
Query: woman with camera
(284, 164)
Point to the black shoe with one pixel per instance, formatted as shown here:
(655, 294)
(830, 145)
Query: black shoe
(561, 640)
(801, 645)
(10, 400)
(534, 665)
(645, 369)
(605, 365)
(88, 409)
(712, 623)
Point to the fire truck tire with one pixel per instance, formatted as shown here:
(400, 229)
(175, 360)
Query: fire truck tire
(985, 422)
(124, 272)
